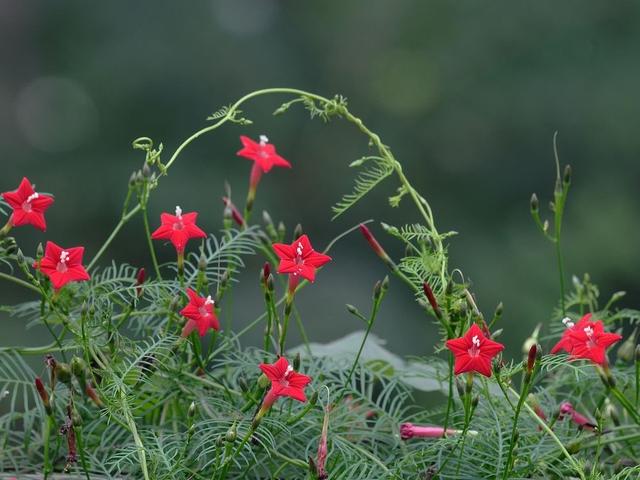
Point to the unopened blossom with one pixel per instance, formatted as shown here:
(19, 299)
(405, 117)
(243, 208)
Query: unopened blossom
(62, 265)
(474, 352)
(375, 245)
(200, 314)
(409, 430)
(300, 259)
(178, 229)
(28, 206)
(235, 213)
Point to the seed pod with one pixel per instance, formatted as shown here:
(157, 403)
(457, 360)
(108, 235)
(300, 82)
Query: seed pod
(231, 434)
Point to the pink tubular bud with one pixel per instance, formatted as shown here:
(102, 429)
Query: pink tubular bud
(566, 409)
(531, 357)
(235, 213)
(321, 459)
(375, 246)
(432, 299)
(409, 430)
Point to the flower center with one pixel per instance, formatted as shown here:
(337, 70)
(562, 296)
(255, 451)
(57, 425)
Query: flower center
(178, 225)
(474, 351)
(62, 264)
(285, 378)
(26, 205)
(567, 322)
(590, 340)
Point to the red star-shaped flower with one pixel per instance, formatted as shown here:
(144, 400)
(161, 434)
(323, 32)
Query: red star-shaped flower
(589, 341)
(263, 153)
(200, 314)
(28, 205)
(565, 342)
(474, 352)
(300, 258)
(285, 382)
(62, 265)
(178, 228)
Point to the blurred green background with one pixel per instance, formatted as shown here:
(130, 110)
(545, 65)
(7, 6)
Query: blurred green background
(467, 94)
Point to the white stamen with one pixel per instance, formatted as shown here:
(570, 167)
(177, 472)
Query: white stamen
(476, 341)
(33, 196)
(208, 301)
(588, 331)
(299, 248)
(263, 140)
(178, 212)
(64, 256)
(288, 371)
(567, 322)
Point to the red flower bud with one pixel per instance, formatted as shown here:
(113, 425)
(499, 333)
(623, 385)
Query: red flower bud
(375, 246)
(266, 271)
(43, 395)
(140, 278)
(235, 213)
(531, 358)
(432, 299)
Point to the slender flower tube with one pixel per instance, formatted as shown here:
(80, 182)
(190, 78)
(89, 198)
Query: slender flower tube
(432, 299)
(409, 430)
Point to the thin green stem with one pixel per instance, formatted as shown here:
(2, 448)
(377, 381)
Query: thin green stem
(152, 250)
(19, 281)
(545, 427)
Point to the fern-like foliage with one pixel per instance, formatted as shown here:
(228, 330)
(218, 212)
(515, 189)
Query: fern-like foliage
(375, 171)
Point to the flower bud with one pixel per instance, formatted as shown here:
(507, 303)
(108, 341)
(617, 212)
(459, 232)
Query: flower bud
(175, 301)
(44, 396)
(375, 245)
(266, 271)
(78, 367)
(235, 214)
(566, 177)
(296, 362)
(263, 381)
(474, 402)
(63, 372)
(627, 350)
(20, 256)
(231, 434)
(93, 395)
(192, 410)
(385, 283)
(132, 179)
(39, 251)
(532, 357)
(146, 170)
(270, 286)
(297, 232)
(352, 310)
(426, 288)
(377, 290)
(282, 230)
(534, 204)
